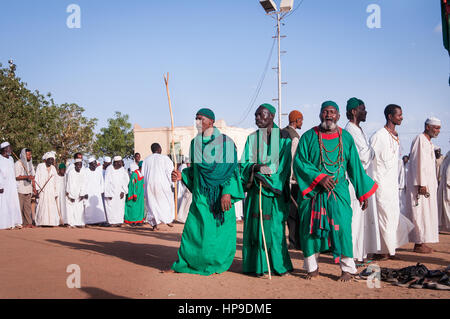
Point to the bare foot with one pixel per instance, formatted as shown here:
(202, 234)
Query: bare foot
(167, 271)
(312, 275)
(422, 249)
(346, 277)
(155, 228)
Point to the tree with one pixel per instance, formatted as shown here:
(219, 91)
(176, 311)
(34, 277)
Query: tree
(116, 139)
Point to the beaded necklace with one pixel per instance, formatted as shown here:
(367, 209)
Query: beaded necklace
(340, 159)
(396, 138)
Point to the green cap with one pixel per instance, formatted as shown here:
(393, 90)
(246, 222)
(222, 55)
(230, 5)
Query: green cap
(207, 113)
(329, 103)
(269, 107)
(62, 165)
(353, 103)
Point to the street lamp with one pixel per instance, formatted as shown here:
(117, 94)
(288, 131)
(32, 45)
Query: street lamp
(271, 9)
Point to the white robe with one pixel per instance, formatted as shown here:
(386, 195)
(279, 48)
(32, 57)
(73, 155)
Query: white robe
(94, 212)
(423, 212)
(159, 198)
(365, 230)
(402, 170)
(444, 195)
(116, 182)
(74, 190)
(184, 199)
(394, 227)
(47, 213)
(10, 214)
(62, 206)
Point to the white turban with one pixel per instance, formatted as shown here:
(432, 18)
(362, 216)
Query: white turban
(117, 158)
(78, 160)
(433, 121)
(107, 159)
(4, 144)
(48, 155)
(91, 159)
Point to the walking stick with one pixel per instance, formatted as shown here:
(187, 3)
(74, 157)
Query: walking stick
(262, 230)
(166, 81)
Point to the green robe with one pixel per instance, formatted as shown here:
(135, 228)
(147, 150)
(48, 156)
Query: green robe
(135, 210)
(208, 246)
(275, 202)
(326, 218)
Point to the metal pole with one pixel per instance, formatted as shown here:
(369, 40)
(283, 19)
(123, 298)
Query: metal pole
(279, 69)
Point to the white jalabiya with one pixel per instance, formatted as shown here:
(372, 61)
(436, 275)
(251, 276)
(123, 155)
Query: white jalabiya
(444, 195)
(61, 202)
(365, 230)
(10, 214)
(76, 182)
(116, 182)
(184, 199)
(384, 170)
(159, 198)
(422, 211)
(47, 213)
(239, 210)
(402, 170)
(94, 212)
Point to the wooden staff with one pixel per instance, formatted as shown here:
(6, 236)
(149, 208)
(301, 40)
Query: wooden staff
(166, 81)
(262, 229)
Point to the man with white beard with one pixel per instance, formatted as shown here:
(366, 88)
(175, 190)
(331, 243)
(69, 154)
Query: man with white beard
(47, 209)
(386, 144)
(116, 187)
(10, 214)
(365, 230)
(76, 194)
(94, 212)
(421, 188)
(157, 170)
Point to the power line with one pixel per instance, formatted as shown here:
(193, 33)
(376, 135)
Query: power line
(259, 86)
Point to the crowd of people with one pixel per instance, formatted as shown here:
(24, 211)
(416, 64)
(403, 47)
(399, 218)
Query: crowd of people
(334, 190)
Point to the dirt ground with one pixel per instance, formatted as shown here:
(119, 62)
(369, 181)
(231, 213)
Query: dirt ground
(126, 262)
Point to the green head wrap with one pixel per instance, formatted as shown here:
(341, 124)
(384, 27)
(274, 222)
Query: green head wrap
(207, 113)
(329, 103)
(353, 103)
(62, 165)
(269, 107)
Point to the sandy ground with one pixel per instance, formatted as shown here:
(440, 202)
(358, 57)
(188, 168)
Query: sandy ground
(126, 263)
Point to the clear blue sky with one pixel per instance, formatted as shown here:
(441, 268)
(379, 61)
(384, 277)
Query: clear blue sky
(216, 52)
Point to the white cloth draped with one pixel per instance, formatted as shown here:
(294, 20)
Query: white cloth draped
(10, 214)
(47, 213)
(444, 195)
(159, 198)
(94, 212)
(384, 170)
(423, 212)
(116, 182)
(365, 229)
(402, 171)
(74, 190)
(61, 202)
(184, 199)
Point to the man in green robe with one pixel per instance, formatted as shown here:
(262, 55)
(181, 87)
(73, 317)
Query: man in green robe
(266, 163)
(324, 155)
(135, 206)
(208, 243)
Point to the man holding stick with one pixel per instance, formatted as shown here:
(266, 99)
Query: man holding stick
(266, 170)
(26, 186)
(47, 213)
(208, 243)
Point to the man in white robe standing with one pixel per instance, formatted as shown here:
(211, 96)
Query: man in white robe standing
(421, 188)
(365, 230)
(61, 187)
(76, 194)
(94, 212)
(402, 171)
(10, 214)
(444, 195)
(385, 144)
(184, 198)
(116, 187)
(159, 198)
(47, 213)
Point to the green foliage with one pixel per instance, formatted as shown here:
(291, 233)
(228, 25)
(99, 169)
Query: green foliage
(116, 139)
